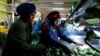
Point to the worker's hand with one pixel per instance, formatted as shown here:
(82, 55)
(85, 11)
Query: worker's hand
(78, 44)
(42, 46)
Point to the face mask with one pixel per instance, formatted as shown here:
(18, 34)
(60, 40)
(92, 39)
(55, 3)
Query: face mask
(58, 21)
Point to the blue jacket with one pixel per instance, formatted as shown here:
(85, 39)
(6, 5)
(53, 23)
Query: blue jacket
(50, 35)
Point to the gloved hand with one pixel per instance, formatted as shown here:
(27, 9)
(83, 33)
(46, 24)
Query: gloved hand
(41, 47)
(78, 44)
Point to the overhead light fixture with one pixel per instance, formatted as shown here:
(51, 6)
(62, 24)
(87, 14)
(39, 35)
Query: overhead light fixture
(62, 14)
(23, 1)
(58, 9)
(59, 3)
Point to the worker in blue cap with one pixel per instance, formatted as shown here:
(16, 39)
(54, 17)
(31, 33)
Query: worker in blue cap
(19, 37)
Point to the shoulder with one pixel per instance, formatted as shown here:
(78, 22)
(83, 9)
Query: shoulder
(19, 24)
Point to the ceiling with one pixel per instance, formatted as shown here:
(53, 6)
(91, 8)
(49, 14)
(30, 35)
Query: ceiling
(62, 6)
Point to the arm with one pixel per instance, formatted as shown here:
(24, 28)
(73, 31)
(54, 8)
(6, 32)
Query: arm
(62, 36)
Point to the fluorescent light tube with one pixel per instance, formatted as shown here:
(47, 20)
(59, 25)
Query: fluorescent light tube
(58, 9)
(59, 3)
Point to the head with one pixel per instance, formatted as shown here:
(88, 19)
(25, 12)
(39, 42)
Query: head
(53, 16)
(26, 11)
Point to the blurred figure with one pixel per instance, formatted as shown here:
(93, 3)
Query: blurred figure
(2, 23)
(19, 38)
(38, 23)
(51, 32)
